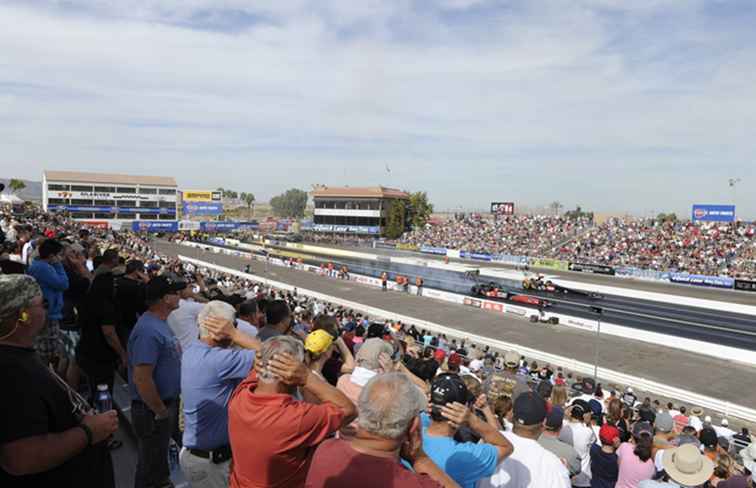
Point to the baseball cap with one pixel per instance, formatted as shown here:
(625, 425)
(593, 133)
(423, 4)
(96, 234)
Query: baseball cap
(608, 433)
(439, 355)
(163, 285)
(455, 359)
(16, 292)
(555, 418)
(664, 423)
(318, 341)
(449, 388)
(708, 437)
(529, 409)
(511, 359)
(643, 428)
(376, 330)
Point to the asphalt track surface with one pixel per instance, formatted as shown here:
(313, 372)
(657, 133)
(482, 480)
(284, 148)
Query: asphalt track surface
(710, 376)
(722, 295)
(726, 328)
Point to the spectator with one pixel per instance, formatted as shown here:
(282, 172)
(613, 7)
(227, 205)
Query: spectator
(48, 435)
(681, 420)
(271, 433)
(210, 371)
(549, 440)
(154, 361)
(530, 465)
(466, 463)
(635, 460)
(130, 298)
(49, 273)
(100, 350)
(367, 365)
(388, 428)
(278, 320)
(604, 460)
(183, 320)
(583, 438)
(248, 317)
(684, 467)
(74, 300)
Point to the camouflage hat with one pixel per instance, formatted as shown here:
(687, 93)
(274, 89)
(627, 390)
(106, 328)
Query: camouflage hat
(16, 292)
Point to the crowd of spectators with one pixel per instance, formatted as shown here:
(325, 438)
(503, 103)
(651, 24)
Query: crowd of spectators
(264, 387)
(709, 248)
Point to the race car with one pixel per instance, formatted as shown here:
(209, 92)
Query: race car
(539, 283)
(492, 290)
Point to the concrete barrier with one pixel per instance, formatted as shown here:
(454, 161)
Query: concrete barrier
(609, 375)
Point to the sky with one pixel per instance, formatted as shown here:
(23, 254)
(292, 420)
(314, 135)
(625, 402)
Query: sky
(618, 106)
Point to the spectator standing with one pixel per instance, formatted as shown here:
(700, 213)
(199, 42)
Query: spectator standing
(155, 381)
(48, 435)
(74, 299)
(684, 467)
(465, 462)
(248, 317)
(49, 273)
(278, 320)
(388, 428)
(635, 461)
(183, 320)
(273, 435)
(367, 365)
(583, 438)
(549, 440)
(210, 371)
(100, 350)
(130, 298)
(604, 460)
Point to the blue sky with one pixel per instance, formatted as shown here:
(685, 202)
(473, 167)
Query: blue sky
(636, 106)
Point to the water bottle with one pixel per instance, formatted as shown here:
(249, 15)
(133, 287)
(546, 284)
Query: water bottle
(104, 401)
(173, 456)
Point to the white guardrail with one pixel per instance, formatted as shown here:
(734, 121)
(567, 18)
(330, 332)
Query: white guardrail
(725, 408)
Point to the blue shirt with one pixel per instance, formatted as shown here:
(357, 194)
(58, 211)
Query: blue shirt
(209, 376)
(53, 281)
(152, 342)
(465, 462)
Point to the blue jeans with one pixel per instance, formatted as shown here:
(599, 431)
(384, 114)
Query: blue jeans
(153, 437)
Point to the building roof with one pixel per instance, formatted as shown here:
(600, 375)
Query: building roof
(359, 192)
(109, 178)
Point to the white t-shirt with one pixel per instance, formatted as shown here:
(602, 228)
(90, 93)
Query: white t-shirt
(695, 422)
(582, 440)
(183, 322)
(529, 466)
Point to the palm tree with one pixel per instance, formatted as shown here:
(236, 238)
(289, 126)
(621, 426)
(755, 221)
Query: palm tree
(249, 199)
(16, 185)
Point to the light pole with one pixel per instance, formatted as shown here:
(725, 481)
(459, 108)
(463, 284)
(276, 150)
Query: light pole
(598, 311)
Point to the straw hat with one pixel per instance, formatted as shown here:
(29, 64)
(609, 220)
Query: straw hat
(686, 465)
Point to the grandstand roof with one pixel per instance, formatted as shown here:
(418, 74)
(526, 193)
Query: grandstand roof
(109, 178)
(359, 192)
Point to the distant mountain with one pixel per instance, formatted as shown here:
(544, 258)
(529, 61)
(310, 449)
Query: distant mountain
(32, 192)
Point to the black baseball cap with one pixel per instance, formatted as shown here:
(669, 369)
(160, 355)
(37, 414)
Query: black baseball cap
(163, 285)
(555, 418)
(529, 409)
(449, 388)
(376, 330)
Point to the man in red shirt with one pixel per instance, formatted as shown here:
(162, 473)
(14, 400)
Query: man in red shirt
(388, 429)
(272, 434)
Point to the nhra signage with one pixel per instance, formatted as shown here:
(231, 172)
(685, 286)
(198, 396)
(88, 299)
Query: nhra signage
(745, 285)
(713, 213)
(143, 226)
(218, 226)
(202, 208)
(502, 208)
(201, 196)
(702, 280)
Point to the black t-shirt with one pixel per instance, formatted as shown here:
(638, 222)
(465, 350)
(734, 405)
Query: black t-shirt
(11, 267)
(35, 404)
(130, 301)
(99, 309)
(73, 298)
(604, 468)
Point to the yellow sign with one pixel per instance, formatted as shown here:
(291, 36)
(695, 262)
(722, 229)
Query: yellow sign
(201, 196)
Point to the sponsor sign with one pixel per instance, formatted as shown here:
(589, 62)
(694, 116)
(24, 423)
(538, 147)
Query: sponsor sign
(441, 251)
(97, 224)
(745, 285)
(253, 225)
(99, 195)
(407, 247)
(509, 259)
(344, 229)
(519, 311)
(502, 208)
(713, 213)
(81, 208)
(549, 264)
(384, 245)
(494, 306)
(197, 209)
(218, 226)
(473, 302)
(702, 280)
(201, 196)
(189, 225)
(581, 324)
(591, 268)
(145, 226)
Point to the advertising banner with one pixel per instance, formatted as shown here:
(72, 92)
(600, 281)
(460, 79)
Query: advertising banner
(745, 285)
(384, 245)
(453, 253)
(713, 213)
(407, 247)
(509, 259)
(475, 255)
(218, 226)
(202, 209)
(702, 280)
(133, 210)
(146, 226)
(502, 208)
(188, 225)
(591, 268)
(473, 302)
(344, 229)
(252, 225)
(549, 263)
(201, 196)
(441, 251)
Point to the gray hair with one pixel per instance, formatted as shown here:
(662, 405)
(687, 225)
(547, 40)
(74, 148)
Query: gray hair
(218, 309)
(278, 345)
(388, 403)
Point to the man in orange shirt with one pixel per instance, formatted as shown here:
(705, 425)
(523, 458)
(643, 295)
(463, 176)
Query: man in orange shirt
(272, 434)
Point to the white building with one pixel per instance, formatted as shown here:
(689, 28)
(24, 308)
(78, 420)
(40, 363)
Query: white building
(101, 198)
(353, 210)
